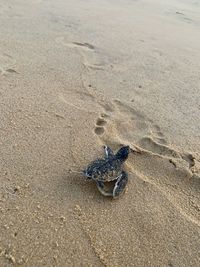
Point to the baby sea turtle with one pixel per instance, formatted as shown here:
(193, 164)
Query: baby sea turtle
(108, 169)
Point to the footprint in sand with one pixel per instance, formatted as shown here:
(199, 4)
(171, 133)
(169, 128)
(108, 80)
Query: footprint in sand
(158, 135)
(87, 51)
(87, 45)
(102, 120)
(99, 130)
(159, 165)
(129, 126)
(183, 17)
(6, 62)
(84, 45)
(100, 123)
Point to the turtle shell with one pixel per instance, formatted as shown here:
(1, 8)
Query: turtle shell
(104, 170)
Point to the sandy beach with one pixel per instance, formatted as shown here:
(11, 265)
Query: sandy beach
(76, 75)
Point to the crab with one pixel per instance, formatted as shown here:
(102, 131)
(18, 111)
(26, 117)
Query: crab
(108, 169)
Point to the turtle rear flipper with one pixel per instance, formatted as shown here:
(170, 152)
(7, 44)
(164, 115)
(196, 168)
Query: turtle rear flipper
(120, 184)
(103, 191)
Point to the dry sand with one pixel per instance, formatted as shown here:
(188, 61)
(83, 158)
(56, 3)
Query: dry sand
(75, 75)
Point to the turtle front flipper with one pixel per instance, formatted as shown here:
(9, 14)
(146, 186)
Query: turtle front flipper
(108, 152)
(120, 184)
(101, 188)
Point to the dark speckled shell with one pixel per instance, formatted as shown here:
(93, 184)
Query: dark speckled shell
(105, 170)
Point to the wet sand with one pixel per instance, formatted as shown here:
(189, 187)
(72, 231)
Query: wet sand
(75, 75)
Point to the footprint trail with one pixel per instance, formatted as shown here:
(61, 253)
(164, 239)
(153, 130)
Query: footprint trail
(168, 170)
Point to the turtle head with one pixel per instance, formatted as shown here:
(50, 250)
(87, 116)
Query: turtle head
(87, 173)
(122, 153)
